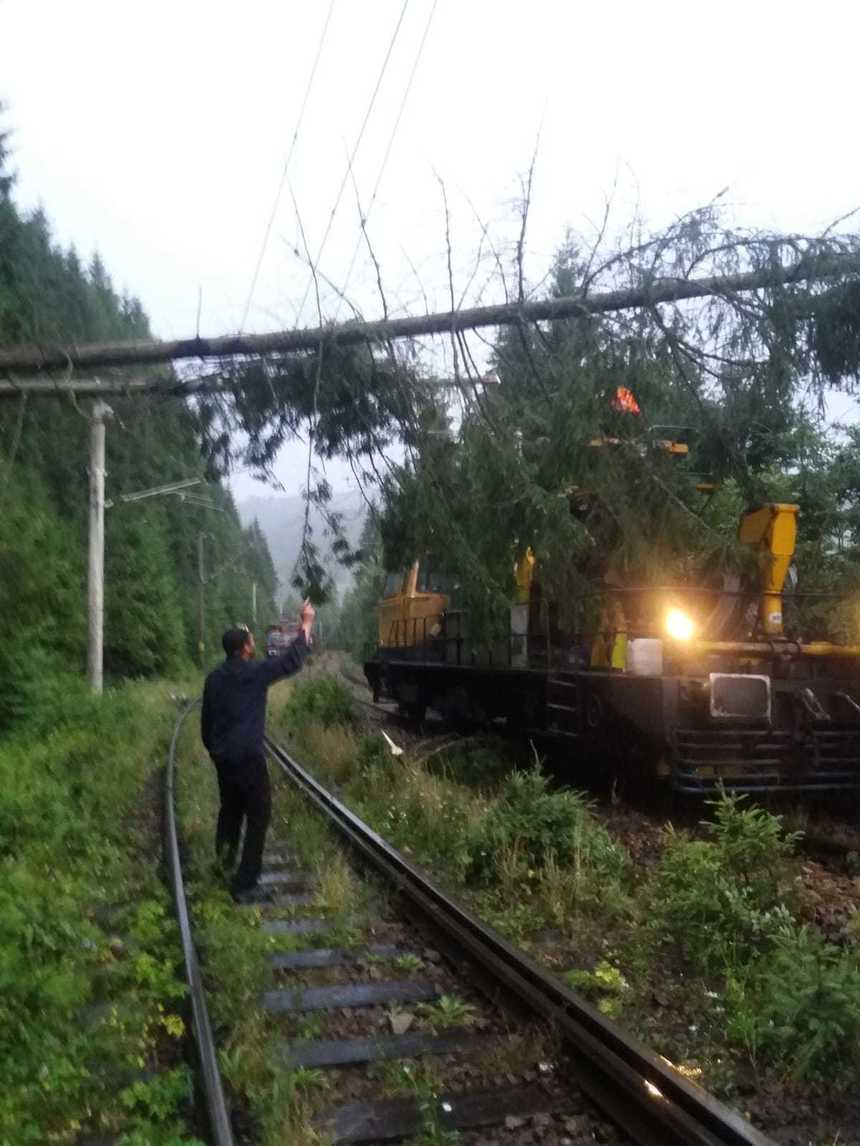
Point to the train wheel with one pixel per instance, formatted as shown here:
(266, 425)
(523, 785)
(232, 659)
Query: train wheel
(460, 709)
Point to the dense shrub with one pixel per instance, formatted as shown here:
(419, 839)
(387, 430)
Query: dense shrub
(799, 1005)
(718, 901)
(752, 843)
(541, 825)
(322, 699)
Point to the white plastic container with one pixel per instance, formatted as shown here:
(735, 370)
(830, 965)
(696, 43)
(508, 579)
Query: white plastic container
(645, 656)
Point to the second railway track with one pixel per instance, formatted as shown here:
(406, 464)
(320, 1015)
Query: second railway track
(429, 953)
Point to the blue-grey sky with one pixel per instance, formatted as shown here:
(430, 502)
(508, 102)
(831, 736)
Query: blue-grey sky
(157, 133)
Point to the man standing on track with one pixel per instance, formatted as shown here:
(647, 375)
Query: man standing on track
(232, 725)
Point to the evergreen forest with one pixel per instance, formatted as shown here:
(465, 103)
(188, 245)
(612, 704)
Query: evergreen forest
(52, 295)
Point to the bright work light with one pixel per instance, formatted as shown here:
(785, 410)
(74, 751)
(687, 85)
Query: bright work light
(679, 625)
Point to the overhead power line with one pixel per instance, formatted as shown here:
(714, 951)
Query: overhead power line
(384, 164)
(285, 170)
(351, 160)
(97, 355)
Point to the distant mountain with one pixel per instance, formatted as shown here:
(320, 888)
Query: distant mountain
(281, 519)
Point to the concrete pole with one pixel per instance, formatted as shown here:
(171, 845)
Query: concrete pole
(254, 602)
(96, 588)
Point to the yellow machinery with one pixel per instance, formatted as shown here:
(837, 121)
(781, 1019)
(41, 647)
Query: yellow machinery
(412, 607)
(524, 571)
(773, 528)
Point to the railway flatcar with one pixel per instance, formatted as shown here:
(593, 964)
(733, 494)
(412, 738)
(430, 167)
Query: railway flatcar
(702, 687)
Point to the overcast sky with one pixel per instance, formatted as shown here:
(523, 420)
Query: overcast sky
(157, 133)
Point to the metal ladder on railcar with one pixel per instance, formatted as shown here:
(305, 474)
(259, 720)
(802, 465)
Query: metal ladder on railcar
(563, 705)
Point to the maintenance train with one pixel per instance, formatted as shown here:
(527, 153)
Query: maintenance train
(281, 635)
(701, 686)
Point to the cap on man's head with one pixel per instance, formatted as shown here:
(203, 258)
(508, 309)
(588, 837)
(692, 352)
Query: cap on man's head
(234, 639)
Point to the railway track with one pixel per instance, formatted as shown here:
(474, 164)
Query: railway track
(446, 952)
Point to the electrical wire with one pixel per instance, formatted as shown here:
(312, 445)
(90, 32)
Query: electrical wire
(391, 138)
(286, 168)
(351, 159)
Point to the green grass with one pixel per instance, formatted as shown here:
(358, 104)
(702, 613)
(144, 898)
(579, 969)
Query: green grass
(605, 985)
(446, 1013)
(418, 1079)
(408, 964)
(91, 1007)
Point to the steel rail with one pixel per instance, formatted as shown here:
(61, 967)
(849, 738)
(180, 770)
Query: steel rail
(636, 1088)
(213, 1090)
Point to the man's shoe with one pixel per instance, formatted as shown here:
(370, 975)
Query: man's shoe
(247, 895)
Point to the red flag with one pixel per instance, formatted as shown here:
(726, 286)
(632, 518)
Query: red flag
(625, 402)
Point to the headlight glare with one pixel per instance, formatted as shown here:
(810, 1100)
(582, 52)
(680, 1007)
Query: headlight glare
(680, 625)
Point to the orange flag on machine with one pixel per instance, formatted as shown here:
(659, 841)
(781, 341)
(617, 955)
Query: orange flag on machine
(625, 401)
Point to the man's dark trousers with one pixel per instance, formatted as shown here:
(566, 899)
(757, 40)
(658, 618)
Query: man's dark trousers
(245, 793)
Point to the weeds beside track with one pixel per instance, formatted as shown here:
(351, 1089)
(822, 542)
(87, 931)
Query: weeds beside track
(92, 1012)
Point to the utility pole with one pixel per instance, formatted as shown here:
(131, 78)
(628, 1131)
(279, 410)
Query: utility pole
(254, 602)
(96, 579)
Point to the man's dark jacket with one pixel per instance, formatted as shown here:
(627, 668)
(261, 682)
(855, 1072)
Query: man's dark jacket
(234, 702)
